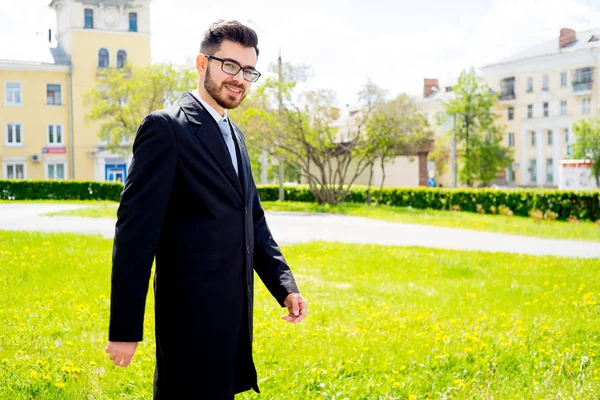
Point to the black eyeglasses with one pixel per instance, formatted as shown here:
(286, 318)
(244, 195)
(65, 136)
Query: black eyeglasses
(232, 67)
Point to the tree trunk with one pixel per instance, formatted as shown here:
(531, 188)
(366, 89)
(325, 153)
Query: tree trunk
(370, 183)
(382, 179)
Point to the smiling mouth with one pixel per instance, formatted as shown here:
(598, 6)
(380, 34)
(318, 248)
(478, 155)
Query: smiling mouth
(234, 91)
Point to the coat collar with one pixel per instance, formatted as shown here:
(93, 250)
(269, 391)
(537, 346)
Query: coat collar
(209, 134)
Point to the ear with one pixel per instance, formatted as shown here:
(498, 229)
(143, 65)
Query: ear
(201, 63)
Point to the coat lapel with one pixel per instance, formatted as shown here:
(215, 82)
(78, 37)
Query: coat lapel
(209, 134)
(245, 167)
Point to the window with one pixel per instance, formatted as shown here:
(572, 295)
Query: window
(585, 106)
(545, 109)
(550, 138)
(549, 171)
(532, 170)
(511, 113)
(511, 174)
(14, 170)
(102, 58)
(533, 138)
(563, 107)
(53, 94)
(530, 84)
(14, 135)
(55, 170)
(121, 58)
(12, 92)
(55, 135)
(530, 111)
(563, 79)
(545, 82)
(511, 139)
(566, 131)
(132, 22)
(89, 18)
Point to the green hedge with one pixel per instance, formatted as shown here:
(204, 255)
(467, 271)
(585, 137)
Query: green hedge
(581, 204)
(59, 190)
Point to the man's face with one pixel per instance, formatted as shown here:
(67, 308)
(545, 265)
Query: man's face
(229, 90)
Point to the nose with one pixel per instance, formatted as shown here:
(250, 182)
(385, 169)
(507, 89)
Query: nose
(239, 77)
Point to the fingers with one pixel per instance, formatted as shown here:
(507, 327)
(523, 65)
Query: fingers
(120, 354)
(297, 310)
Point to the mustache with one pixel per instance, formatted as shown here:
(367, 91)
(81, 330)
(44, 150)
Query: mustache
(233, 85)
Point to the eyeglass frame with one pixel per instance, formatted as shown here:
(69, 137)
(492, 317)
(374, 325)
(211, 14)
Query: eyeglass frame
(244, 69)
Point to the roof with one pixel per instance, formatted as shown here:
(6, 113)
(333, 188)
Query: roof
(437, 96)
(550, 47)
(31, 50)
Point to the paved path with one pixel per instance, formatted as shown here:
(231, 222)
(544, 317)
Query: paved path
(291, 228)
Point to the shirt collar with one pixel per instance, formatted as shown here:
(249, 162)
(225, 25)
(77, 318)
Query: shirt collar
(214, 113)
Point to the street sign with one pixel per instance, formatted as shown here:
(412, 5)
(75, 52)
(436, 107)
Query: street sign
(516, 165)
(54, 150)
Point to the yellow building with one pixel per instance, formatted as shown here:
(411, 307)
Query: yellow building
(42, 82)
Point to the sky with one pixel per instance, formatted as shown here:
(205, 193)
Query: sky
(394, 43)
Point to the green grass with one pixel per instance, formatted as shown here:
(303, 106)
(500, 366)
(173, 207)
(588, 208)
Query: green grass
(583, 230)
(384, 323)
(103, 209)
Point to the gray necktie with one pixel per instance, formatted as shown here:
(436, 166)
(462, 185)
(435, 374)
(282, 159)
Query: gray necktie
(226, 131)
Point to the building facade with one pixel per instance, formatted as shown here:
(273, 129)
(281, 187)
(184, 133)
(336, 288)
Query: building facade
(543, 91)
(42, 87)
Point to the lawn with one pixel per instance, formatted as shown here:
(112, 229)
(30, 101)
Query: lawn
(583, 230)
(384, 323)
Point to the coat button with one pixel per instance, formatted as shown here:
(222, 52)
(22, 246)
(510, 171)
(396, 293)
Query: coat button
(249, 288)
(246, 210)
(248, 249)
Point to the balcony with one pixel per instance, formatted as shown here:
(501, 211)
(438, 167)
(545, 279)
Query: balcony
(507, 90)
(507, 95)
(582, 83)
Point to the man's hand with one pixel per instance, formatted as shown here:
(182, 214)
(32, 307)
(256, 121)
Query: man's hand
(121, 352)
(296, 307)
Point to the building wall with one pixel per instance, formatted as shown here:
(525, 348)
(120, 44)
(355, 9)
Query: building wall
(34, 115)
(86, 45)
(523, 126)
(431, 108)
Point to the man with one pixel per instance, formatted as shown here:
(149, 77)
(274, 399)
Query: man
(190, 200)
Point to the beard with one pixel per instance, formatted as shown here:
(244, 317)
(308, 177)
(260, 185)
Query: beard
(219, 92)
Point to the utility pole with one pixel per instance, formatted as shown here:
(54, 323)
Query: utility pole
(279, 95)
(454, 166)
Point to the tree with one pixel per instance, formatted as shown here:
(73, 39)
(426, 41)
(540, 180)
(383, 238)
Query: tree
(479, 149)
(587, 145)
(123, 97)
(396, 128)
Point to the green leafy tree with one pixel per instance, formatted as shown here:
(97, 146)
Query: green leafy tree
(587, 145)
(123, 97)
(479, 150)
(396, 128)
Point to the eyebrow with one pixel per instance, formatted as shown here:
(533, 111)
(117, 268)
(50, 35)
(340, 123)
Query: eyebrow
(238, 63)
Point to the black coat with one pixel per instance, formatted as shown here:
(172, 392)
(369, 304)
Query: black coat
(184, 204)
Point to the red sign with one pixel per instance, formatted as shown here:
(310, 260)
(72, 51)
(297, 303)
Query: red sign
(54, 150)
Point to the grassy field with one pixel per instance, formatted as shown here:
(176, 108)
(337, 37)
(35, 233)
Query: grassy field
(583, 230)
(384, 323)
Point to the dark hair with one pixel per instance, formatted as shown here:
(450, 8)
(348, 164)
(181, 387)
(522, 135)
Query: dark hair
(228, 30)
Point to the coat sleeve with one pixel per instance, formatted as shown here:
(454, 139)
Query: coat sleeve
(140, 215)
(269, 262)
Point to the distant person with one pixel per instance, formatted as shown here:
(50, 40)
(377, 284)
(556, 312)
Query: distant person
(190, 200)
